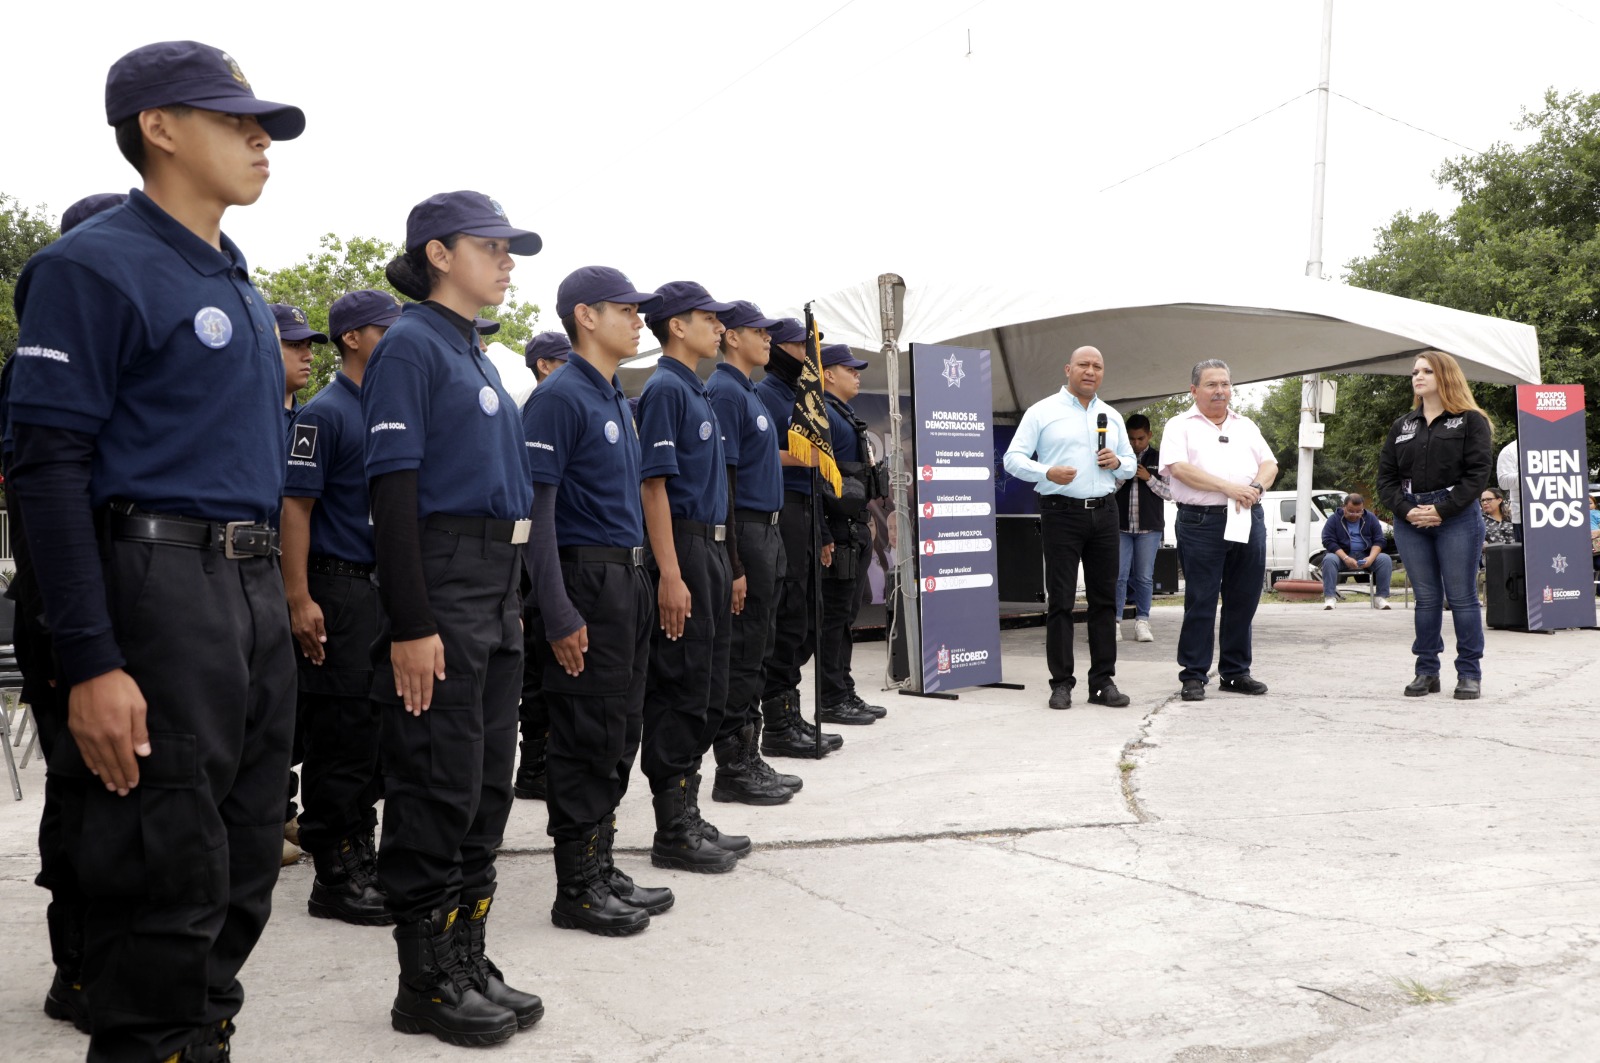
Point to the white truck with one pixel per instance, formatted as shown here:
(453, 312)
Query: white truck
(1278, 509)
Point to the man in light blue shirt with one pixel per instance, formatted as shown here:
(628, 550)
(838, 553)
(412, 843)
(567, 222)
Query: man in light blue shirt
(1076, 449)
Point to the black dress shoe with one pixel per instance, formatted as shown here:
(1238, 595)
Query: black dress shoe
(845, 713)
(1060, 696)
(1110, 696)
(1243, 684)
(1467, 689)
(1422, 684)
(855, 701)
(1194, 690)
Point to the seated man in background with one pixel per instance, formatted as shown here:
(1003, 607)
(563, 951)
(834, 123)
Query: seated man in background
(1353, 539)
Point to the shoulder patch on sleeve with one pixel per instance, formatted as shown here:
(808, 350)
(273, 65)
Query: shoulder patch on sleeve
(304, 444)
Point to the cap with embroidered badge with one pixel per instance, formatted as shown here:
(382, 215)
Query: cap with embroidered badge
(600, 284)
(551, 346)
(680, 297)
(88, 207)
(840, 354)
(468, 212)
(293, 326)
(745, 314)
(360, 308)
(191, 74)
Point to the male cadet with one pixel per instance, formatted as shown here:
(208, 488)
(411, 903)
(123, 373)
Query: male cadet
(1082, 450)
(150, 445)
(847, 517)
(334, 613)
(755, 556)
(44, 693)
(545, 353)
(295, 337)
(786, 733)
(685, 515)
(595, 606)
(1220, 467)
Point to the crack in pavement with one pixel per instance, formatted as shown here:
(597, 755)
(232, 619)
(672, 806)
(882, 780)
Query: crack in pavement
(1438, 734)
(1130, 751)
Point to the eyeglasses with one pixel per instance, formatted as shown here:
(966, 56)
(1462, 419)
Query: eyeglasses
(1488, 499)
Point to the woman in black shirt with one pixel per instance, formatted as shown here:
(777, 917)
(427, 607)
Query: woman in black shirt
(1435, 463)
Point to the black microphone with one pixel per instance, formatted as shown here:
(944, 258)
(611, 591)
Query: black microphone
(1100, 430)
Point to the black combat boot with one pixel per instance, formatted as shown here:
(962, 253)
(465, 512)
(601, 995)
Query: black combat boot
(652, 899)
(436, 994)
(678, 842)
(346, 888)
(830, 742)
(784, 734)
(472, 926)
(750, 739)
(530, 780)
(584, 899)
(737, 844)
(737, 779)
(65, 998)
(856, 702)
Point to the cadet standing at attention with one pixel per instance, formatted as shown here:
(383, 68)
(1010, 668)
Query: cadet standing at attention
(595, 605)
(149, 432)
(755, 556)
(335, 616)
(545, 353)
(786, 733)
(450, 502)
(685, 513)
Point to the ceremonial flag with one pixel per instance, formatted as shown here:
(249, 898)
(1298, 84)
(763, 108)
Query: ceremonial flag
(808, 424)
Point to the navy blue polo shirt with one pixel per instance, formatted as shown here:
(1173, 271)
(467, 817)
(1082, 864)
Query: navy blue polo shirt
(842, 432)
(679, 438)
(778, 398)
(581, 440)
(431, 401)
(139, 333)
(327, 462)
(749, 439)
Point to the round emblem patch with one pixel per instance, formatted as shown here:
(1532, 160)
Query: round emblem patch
(488, 400)
(761, 422)
(213, 328)
(613, 433)
(705, 429)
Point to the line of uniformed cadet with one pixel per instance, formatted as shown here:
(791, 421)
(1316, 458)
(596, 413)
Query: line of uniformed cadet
(654, 568)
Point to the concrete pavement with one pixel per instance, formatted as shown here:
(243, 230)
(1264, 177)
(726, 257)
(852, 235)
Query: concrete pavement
(1273, 878)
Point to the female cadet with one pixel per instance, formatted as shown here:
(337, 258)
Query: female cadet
(450, 501)
(1435, 463)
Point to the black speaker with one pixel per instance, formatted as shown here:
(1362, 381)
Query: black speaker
(1020, 558)
(1505, 587)
(1165, 578)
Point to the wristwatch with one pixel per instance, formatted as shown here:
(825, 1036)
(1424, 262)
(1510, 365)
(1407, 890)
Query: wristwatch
(1259, 489)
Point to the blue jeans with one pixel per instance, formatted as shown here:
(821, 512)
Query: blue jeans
(1380, 569)
(1213, 566)
(1443, 563)
(1138, 563)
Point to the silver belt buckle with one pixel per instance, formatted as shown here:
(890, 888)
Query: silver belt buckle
(774, 519)
(1091, 503)
(227, 538)
(519, 531)
(719, 532)
(636, 554)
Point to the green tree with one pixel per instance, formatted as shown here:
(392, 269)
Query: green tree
(23, 230)
(341, 266)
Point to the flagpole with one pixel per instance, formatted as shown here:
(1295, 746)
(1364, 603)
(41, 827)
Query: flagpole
(816, 607)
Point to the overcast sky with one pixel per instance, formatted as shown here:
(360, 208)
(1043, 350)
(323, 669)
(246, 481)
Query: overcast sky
(721, 141)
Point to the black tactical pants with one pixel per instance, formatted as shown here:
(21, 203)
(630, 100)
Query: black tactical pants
(754, 630)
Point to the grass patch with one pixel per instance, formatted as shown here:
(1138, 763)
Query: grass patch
(1126, 766)
(1418, 993)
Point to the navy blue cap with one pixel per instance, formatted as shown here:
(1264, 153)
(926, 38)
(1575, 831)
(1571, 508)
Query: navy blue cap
(680, 297)
(195, 75)
(472, 213)
(88, 207)
(357, 309)
(600, 284)
(292, 324)
(746, 314)
(485, 326)
(840, 354)
(551, 346)
(788, 330)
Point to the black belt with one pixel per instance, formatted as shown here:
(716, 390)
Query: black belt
(716, 532)
(755, 516)
(1185, 507)
(796, 496)
(235, 538)
(1068, 502)
(328, 565)
(610, 555)
(496, 531)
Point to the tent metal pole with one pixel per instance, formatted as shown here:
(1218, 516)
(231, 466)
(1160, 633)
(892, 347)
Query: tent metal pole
(1311, 385)
(904, 615)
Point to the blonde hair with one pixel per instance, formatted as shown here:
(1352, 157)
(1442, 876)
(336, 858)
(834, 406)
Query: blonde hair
(1454, 393)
